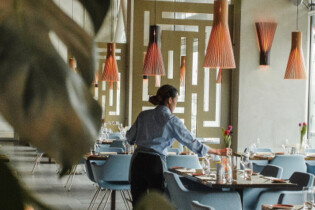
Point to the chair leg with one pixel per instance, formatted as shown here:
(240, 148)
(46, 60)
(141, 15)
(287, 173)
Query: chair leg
(73, 174)
(37, 161)
(69, 177)
(110, 193)
(102, 199)
(124, 199)
(95, 196)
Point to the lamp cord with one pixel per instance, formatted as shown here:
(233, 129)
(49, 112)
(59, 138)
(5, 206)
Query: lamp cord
(297, 17)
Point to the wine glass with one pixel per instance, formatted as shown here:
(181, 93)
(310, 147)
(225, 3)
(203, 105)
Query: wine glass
(248, 170)
(205, 166)
(285, 145)
(125, 144)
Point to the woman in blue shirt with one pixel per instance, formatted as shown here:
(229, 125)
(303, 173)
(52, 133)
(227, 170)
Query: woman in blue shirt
(154, 132)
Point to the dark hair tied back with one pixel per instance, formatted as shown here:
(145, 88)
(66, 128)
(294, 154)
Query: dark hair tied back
(163, 94)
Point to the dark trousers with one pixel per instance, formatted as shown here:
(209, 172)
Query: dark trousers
(146, 174)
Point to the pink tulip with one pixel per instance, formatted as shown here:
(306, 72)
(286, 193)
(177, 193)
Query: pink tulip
(230, 127)
(304, 123)
(300, 124)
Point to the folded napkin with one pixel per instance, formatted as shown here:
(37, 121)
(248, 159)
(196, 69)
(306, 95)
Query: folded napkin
(171, 153)
(277, 206)
(310, 154)
(108, 153)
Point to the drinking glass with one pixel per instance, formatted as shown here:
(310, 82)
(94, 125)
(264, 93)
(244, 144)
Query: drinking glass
(285, 146)
(205, 166)
(234, 162)
(258, 142)
(308, 197)
(248, 170)
(125, 144)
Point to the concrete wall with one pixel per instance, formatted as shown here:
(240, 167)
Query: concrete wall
(268, 107)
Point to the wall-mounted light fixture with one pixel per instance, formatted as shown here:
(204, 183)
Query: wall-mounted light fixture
(265, 34)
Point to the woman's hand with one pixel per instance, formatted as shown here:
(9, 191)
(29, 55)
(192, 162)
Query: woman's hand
(222, 152)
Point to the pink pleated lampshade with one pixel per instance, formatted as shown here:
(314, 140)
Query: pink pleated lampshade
(153, 62)
(182, 70)
(295, 67)
(219, 52)
(110, 73)
(265, 34)
(73, 63)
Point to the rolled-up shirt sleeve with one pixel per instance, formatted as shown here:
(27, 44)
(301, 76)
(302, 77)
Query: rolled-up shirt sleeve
(182, 134)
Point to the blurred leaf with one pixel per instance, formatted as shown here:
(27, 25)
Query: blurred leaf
(97, 10)
(154, 201)
(47, 104)
(12, 195)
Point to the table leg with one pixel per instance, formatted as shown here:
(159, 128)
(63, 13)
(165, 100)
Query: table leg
(113, 200)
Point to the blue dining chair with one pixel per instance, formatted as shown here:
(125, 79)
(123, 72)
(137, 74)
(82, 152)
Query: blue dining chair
(111, 149)
(90, 175)
(309, 150)
(175, 150)
(272, 170)
(115, 135)
(250, 195)
(273, 196)
(181, 197)
(186, 161)
(118, 144)
(290, 164)
(195, 205)
(113, 176)
(310, 167)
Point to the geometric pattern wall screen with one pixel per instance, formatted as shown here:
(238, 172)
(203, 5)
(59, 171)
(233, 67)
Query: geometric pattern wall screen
(203, 105)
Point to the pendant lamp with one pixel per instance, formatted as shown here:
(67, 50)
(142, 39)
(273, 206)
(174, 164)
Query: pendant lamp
(219, 77)
(219, 52)
(110, 73)
(295, 67)
(182, 70)
(153, 62)
(265, 34)
(95, 82)
(73, 64)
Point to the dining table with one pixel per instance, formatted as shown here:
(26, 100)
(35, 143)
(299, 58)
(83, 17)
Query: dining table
(270, 156)
(239, 183)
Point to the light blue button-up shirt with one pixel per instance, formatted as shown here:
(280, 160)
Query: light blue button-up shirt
(157, 129)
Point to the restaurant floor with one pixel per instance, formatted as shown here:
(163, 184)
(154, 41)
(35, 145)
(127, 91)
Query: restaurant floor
(46, 185)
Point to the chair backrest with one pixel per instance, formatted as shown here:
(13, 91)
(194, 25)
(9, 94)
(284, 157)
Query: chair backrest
(88, 168)
(181, 197)
(115, 135)
(310, 168)
(187, 161)
(272, 170)
(309, 150)
(175, 150)
(117, 143)
(290, 164)
(195, 205)
(291, 197)
(111, 149)
(115, 169)
(302, 179)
